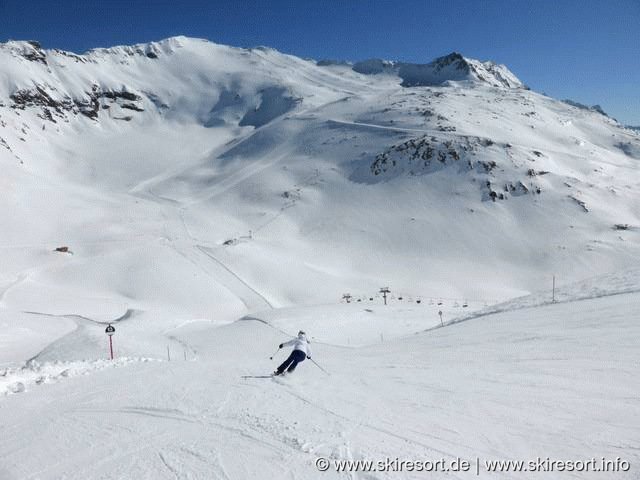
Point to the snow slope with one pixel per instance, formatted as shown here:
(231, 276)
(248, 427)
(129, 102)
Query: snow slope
(556, 382)
(209, 201)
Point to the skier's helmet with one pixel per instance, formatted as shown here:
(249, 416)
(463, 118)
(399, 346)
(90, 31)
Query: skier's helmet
(301, 334)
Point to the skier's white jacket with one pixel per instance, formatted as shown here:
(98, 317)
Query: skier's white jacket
(300, 343)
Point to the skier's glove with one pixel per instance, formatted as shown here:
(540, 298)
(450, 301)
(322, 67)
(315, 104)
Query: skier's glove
(280, 346)
(308, 357)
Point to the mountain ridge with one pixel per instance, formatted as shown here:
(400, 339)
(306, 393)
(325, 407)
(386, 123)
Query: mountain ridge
(452, 67)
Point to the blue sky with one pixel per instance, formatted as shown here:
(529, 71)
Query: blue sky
(587, 51)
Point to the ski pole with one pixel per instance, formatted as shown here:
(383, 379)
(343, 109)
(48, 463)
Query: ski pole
(274, 354)
(316, 364)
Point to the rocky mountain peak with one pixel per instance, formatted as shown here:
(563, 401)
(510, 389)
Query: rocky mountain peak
(451, 67)
(30, 50)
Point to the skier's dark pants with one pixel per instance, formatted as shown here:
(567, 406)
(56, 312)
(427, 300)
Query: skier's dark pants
(296, 357)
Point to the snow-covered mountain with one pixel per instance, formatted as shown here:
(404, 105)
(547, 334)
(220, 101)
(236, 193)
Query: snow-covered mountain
(209, 201)
(453, 67)
(305, 180)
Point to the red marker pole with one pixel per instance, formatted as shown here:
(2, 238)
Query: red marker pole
(110, 331)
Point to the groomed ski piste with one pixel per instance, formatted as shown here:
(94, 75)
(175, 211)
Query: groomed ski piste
(534, 382)
(208, 202)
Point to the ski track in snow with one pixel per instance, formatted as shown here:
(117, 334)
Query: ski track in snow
(253, 300)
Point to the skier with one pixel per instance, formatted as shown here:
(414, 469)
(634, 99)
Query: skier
(301, 350)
